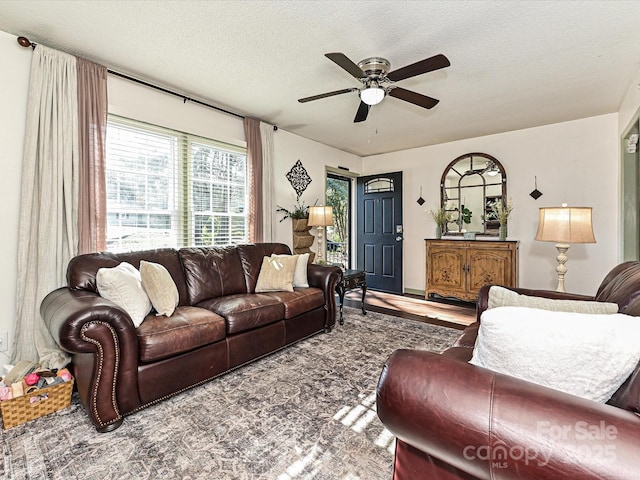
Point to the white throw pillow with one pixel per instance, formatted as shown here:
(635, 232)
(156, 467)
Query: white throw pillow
(160, 287)
(123, 286)
(587, 355)
(300, 275)
(503, 297)
(276, 274)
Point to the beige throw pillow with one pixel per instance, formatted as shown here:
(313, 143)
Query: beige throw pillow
(300, 274)
(503, 297)
(123, 286)
(160, 287)
(276, 274)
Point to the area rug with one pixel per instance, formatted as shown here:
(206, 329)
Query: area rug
(306, 412)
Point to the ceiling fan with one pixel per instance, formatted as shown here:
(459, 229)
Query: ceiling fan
(378, 82)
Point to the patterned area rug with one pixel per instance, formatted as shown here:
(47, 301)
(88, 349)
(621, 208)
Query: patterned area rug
(307, 412)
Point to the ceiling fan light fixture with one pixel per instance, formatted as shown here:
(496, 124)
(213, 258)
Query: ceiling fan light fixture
(372, 95)
(492, 169)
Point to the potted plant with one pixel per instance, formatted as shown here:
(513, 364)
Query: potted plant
(441, 216)
(299, 216)
(502, 212)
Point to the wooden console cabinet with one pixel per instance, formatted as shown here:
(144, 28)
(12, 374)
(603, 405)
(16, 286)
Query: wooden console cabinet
(460, 268)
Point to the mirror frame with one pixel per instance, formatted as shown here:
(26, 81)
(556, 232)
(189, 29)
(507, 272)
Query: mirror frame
(488, 230)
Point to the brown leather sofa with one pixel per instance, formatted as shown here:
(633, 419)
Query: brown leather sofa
(219, 324)
(454, 420)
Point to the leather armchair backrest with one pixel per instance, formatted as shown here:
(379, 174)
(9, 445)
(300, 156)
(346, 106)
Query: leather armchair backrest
(622, 286)
(251, 257)
(82, 270)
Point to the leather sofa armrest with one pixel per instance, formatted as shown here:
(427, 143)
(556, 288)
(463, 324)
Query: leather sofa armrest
(104, 344)
(496, 426)
(326, 277)
(483, 296)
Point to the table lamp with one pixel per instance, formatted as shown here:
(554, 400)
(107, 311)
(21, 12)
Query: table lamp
(320, 217)
(565, 225)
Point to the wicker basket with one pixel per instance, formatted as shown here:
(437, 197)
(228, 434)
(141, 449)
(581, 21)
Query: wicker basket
(36, 404)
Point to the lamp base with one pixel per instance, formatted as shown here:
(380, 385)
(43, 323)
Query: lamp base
(319, 259)
(561, 269)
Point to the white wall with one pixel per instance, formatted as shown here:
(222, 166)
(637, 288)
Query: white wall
(575, 162)
(14, 79)
(630, 105)
(138, 102)
(290, 148)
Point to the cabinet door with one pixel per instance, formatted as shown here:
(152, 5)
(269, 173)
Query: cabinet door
(489, 266)
(446, 270)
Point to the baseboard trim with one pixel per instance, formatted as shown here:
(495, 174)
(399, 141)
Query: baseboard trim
(413, 291)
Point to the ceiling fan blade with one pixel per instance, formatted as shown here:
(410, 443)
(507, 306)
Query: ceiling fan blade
(428, 65)
(325, 95)
(342, 61)
(413, 97)
(361, 114)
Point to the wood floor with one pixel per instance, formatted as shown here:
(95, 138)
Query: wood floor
(455, 315)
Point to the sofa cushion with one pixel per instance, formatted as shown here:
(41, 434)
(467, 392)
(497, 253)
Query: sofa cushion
(503, 297)
(300, 275)
(247, 311)
(160, 287)
(299, 301)
(82, 270)
(122, 286)
(251, 257)
(276, 274)
(188, 328)
(582, 354)
(212, 272)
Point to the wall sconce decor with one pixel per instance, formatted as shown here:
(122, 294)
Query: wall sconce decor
(299, 178)
(535, 194)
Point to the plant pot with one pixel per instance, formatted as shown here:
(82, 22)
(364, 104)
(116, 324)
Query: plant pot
(300, 224)
(502, 232)
(302, 239)
(438, 232)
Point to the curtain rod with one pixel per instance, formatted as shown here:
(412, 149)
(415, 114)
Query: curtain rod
(24, 41)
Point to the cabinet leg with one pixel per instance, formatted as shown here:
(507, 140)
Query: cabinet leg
(364, 292)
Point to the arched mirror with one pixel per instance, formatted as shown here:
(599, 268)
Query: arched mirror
(469, 187)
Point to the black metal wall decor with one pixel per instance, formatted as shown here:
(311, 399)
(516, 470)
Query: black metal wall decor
(536, 194)
(299, 178)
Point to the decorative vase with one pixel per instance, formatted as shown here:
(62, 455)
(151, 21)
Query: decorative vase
(438, 232)
(502, 232)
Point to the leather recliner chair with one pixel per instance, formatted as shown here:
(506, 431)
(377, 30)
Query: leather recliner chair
(454, 420)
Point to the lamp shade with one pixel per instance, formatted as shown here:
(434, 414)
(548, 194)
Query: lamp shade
(320, 216)
(372, 95)
(565, 225)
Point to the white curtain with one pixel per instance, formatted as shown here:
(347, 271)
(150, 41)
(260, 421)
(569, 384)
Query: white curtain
(268, 190)
(48, 234)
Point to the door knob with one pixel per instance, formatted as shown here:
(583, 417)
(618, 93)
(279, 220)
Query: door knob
(399, 239)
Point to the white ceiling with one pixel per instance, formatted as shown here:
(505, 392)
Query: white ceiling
(514, 64)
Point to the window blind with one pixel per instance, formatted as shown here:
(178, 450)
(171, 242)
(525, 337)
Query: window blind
(167, 188)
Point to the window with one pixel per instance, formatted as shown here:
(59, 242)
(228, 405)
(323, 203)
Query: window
(377, 185)
(339, 235)
(170, 189)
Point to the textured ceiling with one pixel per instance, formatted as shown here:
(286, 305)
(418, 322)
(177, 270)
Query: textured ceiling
(514, 64)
